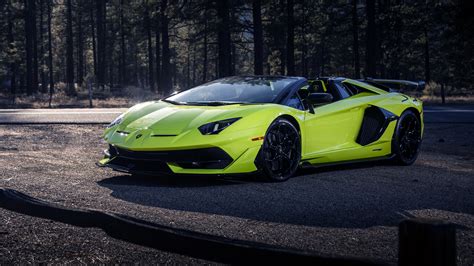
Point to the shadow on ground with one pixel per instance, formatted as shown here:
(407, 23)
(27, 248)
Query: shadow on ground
(349, 196)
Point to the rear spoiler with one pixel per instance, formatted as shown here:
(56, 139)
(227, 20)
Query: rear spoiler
(394, 84)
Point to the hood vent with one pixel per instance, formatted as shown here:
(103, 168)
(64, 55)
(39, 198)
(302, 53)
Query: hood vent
(164, 135)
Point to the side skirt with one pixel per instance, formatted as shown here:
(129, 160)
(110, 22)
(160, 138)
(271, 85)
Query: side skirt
(381, 158)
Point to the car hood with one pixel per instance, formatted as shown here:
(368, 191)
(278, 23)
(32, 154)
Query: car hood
(168, 119)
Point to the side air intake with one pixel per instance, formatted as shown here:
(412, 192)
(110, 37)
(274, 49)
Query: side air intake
(374, 123)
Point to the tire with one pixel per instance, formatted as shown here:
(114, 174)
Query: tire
(406, 141)
(280, 154)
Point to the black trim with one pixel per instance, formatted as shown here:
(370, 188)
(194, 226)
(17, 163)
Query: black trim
(374, 124)
(136, 166)
(288, 92)
(306, 164)
(157, 161)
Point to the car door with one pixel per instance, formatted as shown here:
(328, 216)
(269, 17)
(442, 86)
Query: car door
(332, 127)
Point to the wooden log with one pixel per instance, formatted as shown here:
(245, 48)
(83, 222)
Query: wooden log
(427, 242)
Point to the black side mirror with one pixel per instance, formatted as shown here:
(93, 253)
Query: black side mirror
(319, 98)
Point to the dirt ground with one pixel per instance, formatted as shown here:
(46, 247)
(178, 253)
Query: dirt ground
(349, 210)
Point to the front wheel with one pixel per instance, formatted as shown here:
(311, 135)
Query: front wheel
(280, 154)
(407, 138)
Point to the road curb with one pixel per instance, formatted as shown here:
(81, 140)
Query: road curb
(185, 242)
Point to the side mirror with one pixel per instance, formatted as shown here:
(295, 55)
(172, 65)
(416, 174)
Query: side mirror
(319, 98)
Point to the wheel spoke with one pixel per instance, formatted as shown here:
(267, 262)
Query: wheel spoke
(281, 150)
(409, 137)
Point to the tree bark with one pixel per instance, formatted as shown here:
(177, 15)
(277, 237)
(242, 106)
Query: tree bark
(205, 59)
(355, 41)
(30, 19)
(80, 47)
(35, 46)
(101, 63)
(193, 83)
(371, 43)
(188, 65)
(427, 58)
(223, 38)
(304, 43)
(151, 72)
(290, 41)
(257, 37)
(109, 44)
(165, 65)
(11, 44)
(158, 47)
(94, 50)
(69, 51)
(41, 41)
(50, 53)
(122, 68)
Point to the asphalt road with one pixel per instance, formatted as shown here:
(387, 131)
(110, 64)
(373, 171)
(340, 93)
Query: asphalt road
(59, 116)
(433, 114)
(350, 210)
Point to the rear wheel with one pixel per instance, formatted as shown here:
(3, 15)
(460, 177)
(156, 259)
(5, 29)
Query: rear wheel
(407, 138)
(281, 151)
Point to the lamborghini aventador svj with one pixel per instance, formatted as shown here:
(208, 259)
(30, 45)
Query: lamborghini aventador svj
(269, 124)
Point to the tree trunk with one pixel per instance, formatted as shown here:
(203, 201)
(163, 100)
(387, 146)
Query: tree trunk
(100, 43)
(322, 62)
(41, 41)
(158, 47)
(304, 43)
(290, 41)
(50, 53)
(80, 47)
(397, 55)
(11, 44)
(69, 51)
(165, 65)
(30, 24)
(427, 58)
(223, 38)
(105, 40)
(205, 59)
(355, 42)
(94, 50)
(443, 94)
(35, 46)
(193, 83)
(109, 48)
(122, 68)
(188, 65)
(371, 43)
(151, 72)
(257, 37)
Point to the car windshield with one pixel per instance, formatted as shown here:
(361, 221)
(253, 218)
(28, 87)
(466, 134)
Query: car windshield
(234, 90)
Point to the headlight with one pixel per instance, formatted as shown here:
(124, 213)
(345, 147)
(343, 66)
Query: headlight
(116, 121)
(216, 127)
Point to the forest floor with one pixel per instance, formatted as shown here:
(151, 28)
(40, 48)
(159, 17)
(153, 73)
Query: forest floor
(100, 99)
(349, 210)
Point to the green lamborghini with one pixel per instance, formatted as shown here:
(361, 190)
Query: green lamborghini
(266, 124)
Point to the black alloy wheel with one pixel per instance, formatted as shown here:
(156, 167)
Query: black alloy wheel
(407, 138)
(281, 151)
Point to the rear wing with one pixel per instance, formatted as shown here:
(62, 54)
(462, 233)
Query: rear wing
(394, 84)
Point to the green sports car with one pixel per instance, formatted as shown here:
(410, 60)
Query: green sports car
(266, 124)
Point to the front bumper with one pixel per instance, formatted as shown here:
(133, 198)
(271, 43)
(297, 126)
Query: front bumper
(187, 153)
(211, 160)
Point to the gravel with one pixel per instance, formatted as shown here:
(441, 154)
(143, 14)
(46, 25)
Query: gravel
(350, 210)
